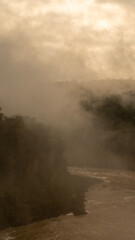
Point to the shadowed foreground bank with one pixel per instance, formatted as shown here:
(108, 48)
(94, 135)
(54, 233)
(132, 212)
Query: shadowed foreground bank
(34, 182)
(110, 206)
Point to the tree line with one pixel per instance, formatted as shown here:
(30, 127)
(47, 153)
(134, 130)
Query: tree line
(115, 114)
(34, 182)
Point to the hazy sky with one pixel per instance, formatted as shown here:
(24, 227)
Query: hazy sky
(67, 39)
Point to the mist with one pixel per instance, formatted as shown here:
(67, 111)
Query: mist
(67, 115)
(49, 92)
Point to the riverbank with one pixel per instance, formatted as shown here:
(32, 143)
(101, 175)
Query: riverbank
(110, 207)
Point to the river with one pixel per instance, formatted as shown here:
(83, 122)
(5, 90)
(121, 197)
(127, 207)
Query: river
(110, 208)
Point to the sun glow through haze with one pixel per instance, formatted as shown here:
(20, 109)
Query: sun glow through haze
(74, 39)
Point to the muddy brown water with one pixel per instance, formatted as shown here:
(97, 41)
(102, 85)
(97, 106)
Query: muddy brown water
(110, 207)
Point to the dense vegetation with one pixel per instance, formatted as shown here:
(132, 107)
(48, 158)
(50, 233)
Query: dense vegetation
(115, 114)
(34, 183)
